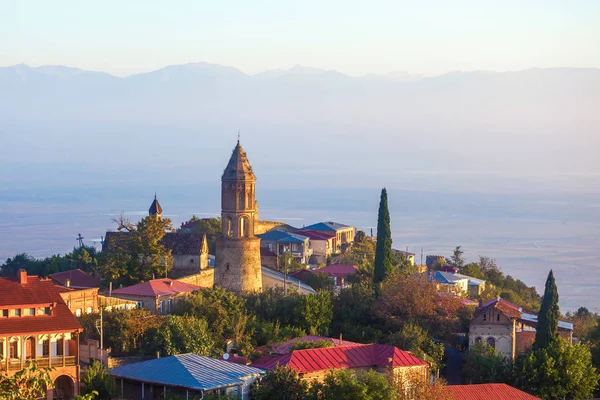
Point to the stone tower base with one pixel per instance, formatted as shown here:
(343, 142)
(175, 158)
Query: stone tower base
(237, 264)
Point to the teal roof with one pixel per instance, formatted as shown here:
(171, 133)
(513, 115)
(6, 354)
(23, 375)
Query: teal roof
(189, 371)
(326, 226)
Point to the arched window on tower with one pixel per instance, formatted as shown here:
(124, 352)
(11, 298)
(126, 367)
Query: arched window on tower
(244, 227)
(229, 227)
(491, 342)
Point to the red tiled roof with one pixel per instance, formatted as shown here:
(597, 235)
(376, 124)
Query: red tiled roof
(342, 270)
(504, 306)
(357, 356)
(285, 347)
(35, 293)
(78, 279)
(488, 391)
(157, 287)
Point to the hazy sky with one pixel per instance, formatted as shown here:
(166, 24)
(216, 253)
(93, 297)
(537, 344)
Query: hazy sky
(354, 37)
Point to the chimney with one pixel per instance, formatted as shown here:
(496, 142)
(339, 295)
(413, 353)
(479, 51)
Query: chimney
(22, 274)
(340, 338)
(170, 283)
(480, 303)
(68, 283)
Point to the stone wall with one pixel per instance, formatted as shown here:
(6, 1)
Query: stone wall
(238, 266)
(206, 278)
(261, 227)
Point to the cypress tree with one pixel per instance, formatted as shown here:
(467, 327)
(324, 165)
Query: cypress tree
(547, 323)
(383, 249)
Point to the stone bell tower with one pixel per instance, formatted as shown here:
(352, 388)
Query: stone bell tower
(237, 264)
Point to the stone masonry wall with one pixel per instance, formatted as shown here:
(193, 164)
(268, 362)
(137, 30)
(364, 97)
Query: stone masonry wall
(238, 266)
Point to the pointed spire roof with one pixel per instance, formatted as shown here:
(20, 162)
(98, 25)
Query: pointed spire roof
(204, 248)
(155, 208)
(238, 167)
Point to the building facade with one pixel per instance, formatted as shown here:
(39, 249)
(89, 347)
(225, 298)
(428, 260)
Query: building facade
(157, 295)
(237, 263)
(37, 326)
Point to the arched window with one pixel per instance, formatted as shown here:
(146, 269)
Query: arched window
(243, 226)
(498, 317)
(229, 227)
(491, 342)
(478, 339)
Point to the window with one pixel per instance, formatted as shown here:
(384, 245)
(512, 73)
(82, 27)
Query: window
(45, 348)
(498, 317)
(491, 342)
(89, 310)
(32, 311)
(13, 348)
(161, 307)
(17, 312)
(60, 346)
(191, 260)
(1, 349)
(140, 304)
(485, 317)
(229, 228)
(478, 339)
(78, 312)
(4, 313)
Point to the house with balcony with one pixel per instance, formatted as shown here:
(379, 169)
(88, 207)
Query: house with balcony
(281, 243)
(344, 234)
(157, 295)
(37, 326)
(321, 244)
(508, 328)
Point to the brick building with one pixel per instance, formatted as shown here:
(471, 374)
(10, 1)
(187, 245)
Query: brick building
(37, 326)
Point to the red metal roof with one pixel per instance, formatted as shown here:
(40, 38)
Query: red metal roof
(157, 287)
(342, 270)
(357, 356)
(316, 235)
(488, 391)
(78, 279)
(34, 293)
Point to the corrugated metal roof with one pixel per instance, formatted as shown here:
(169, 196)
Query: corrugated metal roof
(157, 287)
(488, 391)
(290, 279)
(189, 371)
(447, 277)
(326, 226)
(357, 356)
(534, 318)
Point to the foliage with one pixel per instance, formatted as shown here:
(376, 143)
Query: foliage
(352, 310)
(547, 324)
(88, 396)
(415, 299)
(413, 385)
(319, 344)
(185, 334)
(314, 313)
(96, 378)
(345, 384)
(482, 364)
(30, 383)
(137, 255)
(585, 323)
(383, 249)
(559, 371)
(273, 305)
(224, 312)
(457, 257)
(211, 227)
(84, 258)
(288, 263)
(320, 281)
(280, 384)
(415, 339)
(125, 331)
(266, 332)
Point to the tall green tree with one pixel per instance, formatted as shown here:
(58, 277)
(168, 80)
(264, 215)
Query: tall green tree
(283, 383)
(559, 371)
(547, 324)
(98, 381)
(383, 249)
(457, 257)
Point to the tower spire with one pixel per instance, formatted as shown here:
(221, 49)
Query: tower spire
(238, 136)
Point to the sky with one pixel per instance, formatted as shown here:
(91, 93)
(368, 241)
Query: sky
(427, 37)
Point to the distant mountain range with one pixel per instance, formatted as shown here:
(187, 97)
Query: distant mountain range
(535, 121)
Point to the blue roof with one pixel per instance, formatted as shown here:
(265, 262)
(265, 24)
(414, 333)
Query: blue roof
(326, 226)
(284, 237)
(472, 281)
(189, 371)
(447, 277)
(273, 235)
(293, 282)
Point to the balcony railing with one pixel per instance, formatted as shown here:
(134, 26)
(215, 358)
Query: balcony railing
(15, 364)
